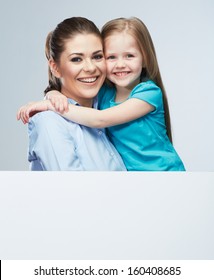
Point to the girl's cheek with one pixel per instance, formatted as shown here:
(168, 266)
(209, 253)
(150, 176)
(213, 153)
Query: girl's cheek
(108, 68)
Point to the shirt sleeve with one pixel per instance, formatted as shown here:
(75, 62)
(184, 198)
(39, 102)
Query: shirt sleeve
(150, 93)
(51, 144)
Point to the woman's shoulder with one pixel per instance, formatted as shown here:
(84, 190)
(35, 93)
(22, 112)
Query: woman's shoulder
(48, 120)
(44, 117)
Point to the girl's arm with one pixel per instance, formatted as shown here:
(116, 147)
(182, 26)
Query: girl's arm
(27, 111)
(125, 112)
(54, 100)
(58, 100)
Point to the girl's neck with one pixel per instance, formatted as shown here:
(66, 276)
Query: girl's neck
(122, 93)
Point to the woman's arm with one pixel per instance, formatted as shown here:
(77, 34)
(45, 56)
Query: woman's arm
(125, 112)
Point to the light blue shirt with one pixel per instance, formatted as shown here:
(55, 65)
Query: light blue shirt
(57, 144)
(143, 143)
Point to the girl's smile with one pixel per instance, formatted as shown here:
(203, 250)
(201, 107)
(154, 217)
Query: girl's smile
(123, 60)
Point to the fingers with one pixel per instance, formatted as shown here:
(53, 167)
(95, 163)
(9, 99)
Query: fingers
(63, 106)
(18, 115)
(21, 115)
(24, 116)
(60, 103)
(66, 105)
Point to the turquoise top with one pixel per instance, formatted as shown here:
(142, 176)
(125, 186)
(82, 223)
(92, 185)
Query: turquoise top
(143, 143)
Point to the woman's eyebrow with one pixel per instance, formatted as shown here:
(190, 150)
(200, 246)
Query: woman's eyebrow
(75, 53)
(81, 54)
(97, 51)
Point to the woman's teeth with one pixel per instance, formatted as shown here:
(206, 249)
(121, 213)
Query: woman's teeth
(88, 80)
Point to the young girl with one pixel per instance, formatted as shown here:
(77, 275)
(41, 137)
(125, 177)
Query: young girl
(133, 105)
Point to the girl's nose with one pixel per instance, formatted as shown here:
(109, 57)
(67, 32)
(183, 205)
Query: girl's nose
(120, 63)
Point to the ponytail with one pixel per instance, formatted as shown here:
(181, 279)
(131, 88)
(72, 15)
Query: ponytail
(53, 82)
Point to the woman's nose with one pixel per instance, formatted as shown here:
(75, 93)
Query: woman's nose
(89, 66)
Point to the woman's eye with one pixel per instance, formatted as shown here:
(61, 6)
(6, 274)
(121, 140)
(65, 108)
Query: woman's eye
(76, 59)
(98, 57)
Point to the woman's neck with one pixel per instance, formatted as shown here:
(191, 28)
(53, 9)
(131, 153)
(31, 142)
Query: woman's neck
(85, 102)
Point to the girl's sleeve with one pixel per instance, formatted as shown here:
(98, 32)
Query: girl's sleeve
(150, 93)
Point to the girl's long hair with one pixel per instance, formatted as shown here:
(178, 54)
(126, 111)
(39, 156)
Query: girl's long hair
(150, 70)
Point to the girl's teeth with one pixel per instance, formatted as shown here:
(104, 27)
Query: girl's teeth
(121, 73)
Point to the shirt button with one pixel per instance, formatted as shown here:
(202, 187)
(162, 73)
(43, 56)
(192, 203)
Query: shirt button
(112, 154)
(100, 132)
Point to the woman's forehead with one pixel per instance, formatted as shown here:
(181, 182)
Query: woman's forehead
(82, 43)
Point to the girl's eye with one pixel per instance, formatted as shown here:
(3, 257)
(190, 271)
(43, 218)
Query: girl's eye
(111, 57)
(76, 59)
(129, 55)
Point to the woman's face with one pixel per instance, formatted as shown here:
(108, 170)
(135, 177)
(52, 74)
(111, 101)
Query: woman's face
(82, 68)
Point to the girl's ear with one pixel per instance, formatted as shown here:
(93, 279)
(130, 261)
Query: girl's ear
(54, 68)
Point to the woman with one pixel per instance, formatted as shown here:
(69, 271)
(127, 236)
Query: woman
(76, 68)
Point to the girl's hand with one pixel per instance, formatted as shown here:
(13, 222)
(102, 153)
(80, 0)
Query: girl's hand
(58, 100)
(27, 111)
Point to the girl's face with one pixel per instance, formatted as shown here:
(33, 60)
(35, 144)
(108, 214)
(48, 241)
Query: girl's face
(124, 60)
(82, 68)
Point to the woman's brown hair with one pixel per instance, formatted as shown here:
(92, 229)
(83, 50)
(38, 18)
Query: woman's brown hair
(55, 42)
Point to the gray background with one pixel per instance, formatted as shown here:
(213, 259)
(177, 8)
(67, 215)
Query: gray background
(182, 32)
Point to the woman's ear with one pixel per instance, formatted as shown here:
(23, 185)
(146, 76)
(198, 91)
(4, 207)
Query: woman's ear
(54, 68)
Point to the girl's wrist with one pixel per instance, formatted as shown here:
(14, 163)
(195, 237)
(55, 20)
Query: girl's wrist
(49, 105)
